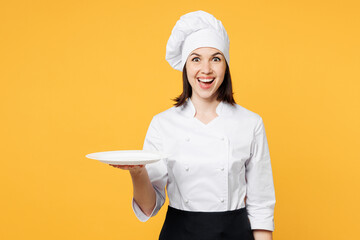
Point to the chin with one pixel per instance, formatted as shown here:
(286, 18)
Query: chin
(206, 96)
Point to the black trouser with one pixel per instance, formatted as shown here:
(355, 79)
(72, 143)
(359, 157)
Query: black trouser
(186, 225)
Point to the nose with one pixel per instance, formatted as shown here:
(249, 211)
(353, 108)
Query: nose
(206, 67)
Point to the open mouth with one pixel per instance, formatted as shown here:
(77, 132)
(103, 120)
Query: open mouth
(206, 81)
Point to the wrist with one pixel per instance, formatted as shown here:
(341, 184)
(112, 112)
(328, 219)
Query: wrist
(260, 234)
(137, 171)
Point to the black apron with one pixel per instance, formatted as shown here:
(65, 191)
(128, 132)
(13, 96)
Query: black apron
(187, 225)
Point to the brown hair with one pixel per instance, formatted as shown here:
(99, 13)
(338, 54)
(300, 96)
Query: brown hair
(224, 92)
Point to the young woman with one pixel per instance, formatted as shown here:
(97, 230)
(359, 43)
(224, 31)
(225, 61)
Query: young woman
(218, 173)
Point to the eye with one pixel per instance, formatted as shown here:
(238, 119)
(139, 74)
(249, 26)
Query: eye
(195, 59)
(217, 59)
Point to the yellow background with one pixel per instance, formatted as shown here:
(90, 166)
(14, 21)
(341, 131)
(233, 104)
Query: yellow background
(86, 76)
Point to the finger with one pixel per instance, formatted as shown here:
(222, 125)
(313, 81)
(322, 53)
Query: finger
(127, 167)
(118, 166)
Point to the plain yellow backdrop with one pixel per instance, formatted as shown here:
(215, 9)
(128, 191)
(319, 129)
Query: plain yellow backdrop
(86, 76)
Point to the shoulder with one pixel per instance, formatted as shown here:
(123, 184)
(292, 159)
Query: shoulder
(244, 118)
(166, 114)
(240, 112)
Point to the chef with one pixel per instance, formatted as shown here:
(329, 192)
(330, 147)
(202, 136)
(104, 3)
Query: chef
(218, 174)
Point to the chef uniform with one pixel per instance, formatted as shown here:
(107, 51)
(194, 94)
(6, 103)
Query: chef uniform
(218, 175)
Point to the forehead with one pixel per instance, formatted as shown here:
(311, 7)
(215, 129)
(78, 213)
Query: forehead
(206, 51)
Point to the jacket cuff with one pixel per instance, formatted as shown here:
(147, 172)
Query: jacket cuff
(262, 225)
(140, 214)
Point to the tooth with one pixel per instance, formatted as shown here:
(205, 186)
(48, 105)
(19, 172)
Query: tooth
(205, 80)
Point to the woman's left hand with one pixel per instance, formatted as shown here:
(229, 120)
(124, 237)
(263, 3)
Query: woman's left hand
(133, 169)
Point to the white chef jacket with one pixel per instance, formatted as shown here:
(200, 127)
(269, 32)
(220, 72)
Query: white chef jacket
(211, 167)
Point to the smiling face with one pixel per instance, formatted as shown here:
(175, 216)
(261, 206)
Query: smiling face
(205, 68)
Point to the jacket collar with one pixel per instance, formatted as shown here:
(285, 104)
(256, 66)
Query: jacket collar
(222, 109)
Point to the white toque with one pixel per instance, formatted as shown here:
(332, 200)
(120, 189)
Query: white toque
(192, 31)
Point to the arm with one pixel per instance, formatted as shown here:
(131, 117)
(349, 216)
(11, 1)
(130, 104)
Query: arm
(149, 182)
(144, 193)
(262, 235)
(260, 201)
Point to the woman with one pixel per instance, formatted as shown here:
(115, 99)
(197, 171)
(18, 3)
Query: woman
(218, 173)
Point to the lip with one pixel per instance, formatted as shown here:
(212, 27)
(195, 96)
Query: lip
(204, 85)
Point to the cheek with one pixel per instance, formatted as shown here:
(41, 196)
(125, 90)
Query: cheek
(191, 70)
(192, 83)
(191, 73)
(221, 71)
(190, 77)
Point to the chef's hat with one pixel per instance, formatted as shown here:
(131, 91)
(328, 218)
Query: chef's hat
(192, 31)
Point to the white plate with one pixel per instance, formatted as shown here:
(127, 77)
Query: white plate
(127, 157)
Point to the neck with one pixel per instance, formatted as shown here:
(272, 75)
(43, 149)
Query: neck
(205, 106)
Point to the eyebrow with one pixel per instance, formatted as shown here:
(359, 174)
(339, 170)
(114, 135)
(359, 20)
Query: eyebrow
(211, 55)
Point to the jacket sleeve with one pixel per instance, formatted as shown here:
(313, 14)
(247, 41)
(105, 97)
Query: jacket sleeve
(157, 171)
(260, 198)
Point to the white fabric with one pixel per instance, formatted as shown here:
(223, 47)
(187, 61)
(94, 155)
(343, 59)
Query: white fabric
(212, 167)
(192, 31)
